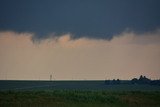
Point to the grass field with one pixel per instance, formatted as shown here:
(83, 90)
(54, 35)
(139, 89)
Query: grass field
(73, 85)
(77, 98)
(77, 94)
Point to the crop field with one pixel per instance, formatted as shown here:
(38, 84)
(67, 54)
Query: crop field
(77, 98)
(77, 94)
(73, 85)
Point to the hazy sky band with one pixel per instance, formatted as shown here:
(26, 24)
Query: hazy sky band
(126, 56)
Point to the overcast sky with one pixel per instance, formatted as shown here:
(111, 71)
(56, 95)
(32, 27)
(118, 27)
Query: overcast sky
(79, 39)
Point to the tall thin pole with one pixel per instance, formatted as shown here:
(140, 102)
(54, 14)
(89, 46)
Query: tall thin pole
(50, 77)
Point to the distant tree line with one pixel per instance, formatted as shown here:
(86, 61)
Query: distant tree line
(140, 80)
(112, 81)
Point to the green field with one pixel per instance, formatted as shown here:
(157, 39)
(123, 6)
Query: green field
(79, 98)
(73, 85)
(77, 94)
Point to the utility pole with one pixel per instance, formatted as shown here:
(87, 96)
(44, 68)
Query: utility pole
(50, 77)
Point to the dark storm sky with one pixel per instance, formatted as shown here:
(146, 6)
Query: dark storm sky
(82, 18)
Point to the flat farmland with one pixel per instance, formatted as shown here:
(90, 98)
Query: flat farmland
(74, 85)
(77, 94)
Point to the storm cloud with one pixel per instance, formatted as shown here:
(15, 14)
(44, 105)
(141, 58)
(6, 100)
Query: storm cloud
(98, 19)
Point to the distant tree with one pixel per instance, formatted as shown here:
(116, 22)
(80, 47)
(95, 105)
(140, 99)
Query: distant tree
(141, 80)
(141, 77)
(144, 80)
(134, 81)
(107, 82)
(113, 81)
(118, 81)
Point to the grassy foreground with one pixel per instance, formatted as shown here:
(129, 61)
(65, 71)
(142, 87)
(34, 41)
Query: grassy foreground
(79, 98)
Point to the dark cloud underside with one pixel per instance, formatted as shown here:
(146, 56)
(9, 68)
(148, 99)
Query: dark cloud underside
(90, 18)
